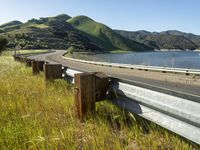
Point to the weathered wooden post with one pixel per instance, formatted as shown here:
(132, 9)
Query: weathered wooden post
(21, 59)
(17, 58)
(52, 71)
(89, 88)
(101, 86)
(35, 68)
(40, 65)
(28, 62)
(84, 94)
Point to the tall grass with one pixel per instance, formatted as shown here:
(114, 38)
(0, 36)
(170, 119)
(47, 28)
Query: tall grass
(39, 115)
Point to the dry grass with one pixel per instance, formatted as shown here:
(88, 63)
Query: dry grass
(39, 115)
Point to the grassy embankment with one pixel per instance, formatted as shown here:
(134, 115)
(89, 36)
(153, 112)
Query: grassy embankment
(32, 51)
(87, 55)
(39, 115)
(119, 51)
(11, 52)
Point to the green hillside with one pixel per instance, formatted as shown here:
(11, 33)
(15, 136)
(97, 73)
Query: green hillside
(105, 36)
(9, 24)
(164, 40)
(194, 38)
(61, 32)
(81, 33)
(48, 33)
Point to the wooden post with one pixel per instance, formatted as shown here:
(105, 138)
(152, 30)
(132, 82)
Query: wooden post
(84, 94)
(28, 62)
(21, 59)
(101, 86)
(89, 88)
(40, 65)
(52, 71)
(35, 68)
(17, 58)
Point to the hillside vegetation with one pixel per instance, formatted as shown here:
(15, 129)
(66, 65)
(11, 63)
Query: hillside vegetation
(104, 35)
(48, 33)
(36, 114)
(10, 26)
(164, 40)
(82, 34)
(60, 32)
(3, 44)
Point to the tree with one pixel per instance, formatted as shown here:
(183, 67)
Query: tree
(3, 44)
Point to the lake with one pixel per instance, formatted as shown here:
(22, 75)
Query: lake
(176, 59)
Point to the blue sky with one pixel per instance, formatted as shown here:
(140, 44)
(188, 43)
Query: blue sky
(151, 15)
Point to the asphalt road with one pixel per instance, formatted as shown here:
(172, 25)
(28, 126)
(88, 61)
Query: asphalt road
(175, 82)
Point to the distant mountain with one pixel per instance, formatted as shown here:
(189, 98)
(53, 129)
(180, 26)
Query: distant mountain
(105, 36)
(10, 26)
(61, 32)
(164, 40)
(194, 38)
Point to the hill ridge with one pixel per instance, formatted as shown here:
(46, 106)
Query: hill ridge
(170, 39)
(104, 34)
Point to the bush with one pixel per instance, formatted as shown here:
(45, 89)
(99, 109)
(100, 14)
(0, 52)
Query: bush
(3, 44)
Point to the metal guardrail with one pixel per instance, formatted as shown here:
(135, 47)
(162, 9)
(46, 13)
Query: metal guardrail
(177, 114)
(140, 67)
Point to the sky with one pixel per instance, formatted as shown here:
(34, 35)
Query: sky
(131, 15)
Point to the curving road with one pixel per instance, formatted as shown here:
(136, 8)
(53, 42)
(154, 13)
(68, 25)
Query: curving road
(176, 82)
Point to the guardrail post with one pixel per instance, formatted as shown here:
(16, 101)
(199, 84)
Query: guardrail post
(52, 71)
(40, 65)
(84, 94)
(101, 86)
(89, 88)
(28, 62)
(21, 59)
(15, 57)
(35, 68)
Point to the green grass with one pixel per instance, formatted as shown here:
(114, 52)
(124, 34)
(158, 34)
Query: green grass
(31, 51)
(41, 26)
(118, 51)
(36, 114)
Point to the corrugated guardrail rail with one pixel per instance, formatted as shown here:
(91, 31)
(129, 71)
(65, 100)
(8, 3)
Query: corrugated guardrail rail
(175, 111)
(168, 109)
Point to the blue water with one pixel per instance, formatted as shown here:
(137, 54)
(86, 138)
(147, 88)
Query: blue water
(176, 59)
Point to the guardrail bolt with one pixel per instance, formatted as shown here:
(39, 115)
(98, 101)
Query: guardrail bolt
(52, 71)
